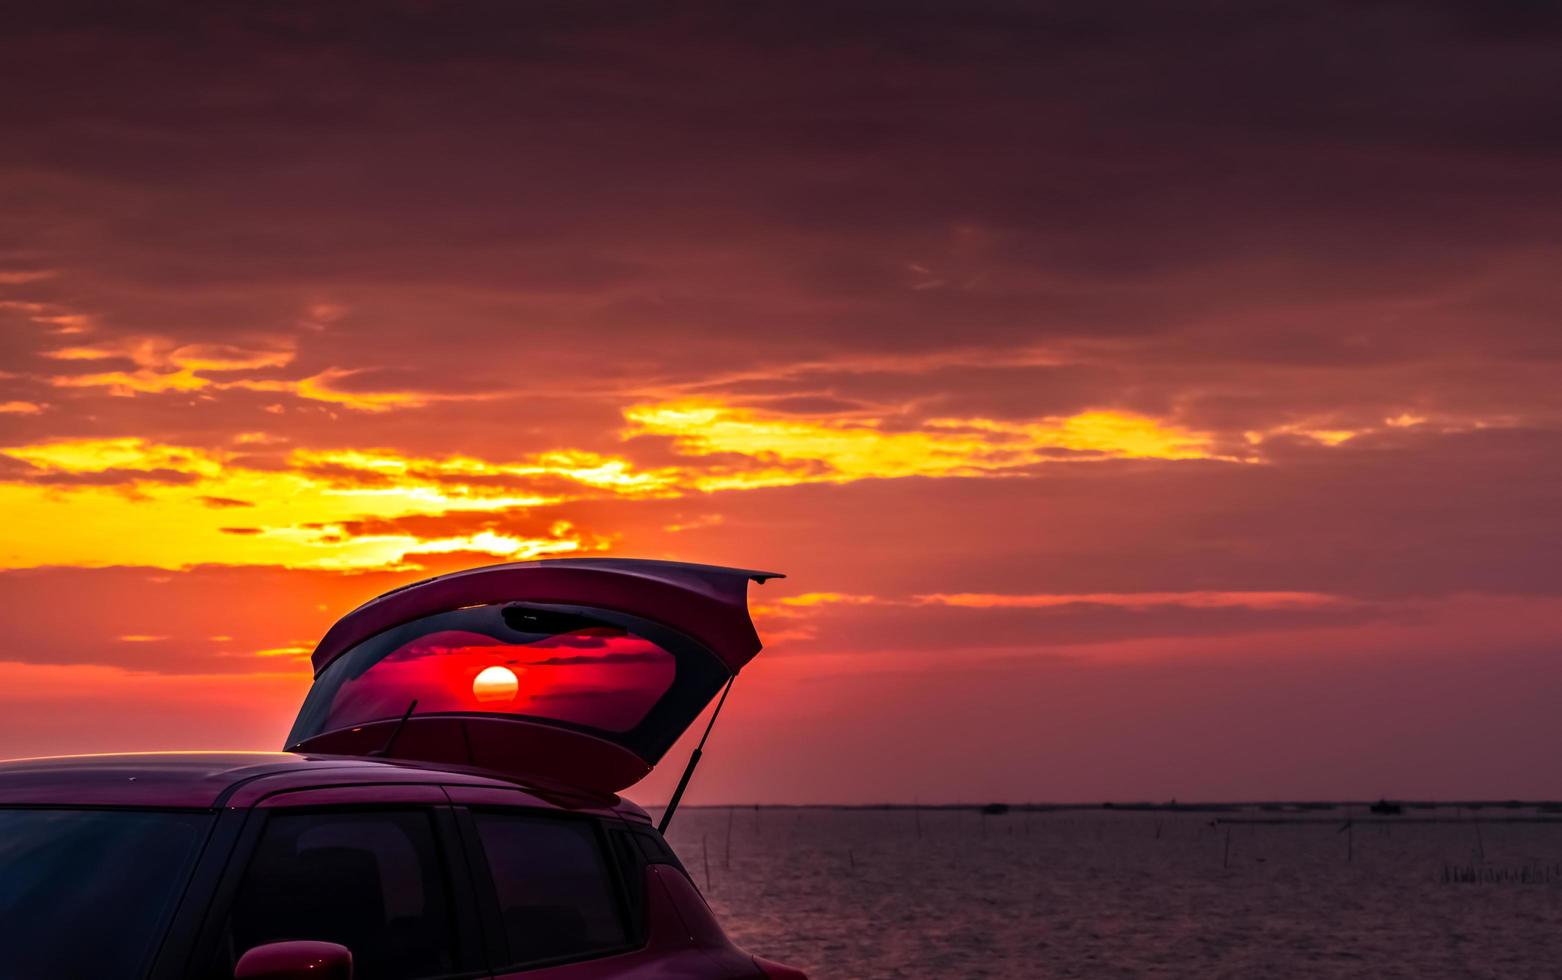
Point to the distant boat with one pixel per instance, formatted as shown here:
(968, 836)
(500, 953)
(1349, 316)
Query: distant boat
(995, 809)
(1385, 808)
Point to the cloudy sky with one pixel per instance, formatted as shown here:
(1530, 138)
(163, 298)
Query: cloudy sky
(1143, 402)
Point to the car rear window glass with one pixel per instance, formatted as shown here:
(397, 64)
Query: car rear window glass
(599, 676)
(630, 681)
(370, 880)
(557, 894)
(88, 893)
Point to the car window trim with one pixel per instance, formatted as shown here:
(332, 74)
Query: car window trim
(211, 864)
(109, 807)
(496, 944)
(629, 861)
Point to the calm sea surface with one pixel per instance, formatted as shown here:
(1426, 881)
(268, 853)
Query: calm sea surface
(949, 894)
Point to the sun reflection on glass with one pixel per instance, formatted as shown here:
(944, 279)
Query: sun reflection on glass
(495, 684)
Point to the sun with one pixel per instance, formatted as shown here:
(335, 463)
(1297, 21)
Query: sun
(495, 684)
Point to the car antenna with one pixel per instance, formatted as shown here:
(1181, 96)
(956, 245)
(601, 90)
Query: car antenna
(395, 732)
(694, 760)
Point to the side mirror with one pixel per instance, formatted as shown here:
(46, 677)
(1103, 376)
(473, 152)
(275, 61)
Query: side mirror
(296, 959)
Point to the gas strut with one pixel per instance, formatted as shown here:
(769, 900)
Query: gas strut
(694, 760)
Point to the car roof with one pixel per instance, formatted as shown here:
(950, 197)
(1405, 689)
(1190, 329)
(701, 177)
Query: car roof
(205, 780)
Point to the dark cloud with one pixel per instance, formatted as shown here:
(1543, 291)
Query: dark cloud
(222, 503)
(864, 176)
(589, 694)
(115, 477)
(648, 657)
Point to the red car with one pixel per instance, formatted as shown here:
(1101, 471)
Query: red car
(447, 805)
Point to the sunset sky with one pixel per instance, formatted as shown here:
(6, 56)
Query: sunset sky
(1162, 403)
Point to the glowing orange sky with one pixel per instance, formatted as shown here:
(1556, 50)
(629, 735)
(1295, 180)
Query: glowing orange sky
(1126, 427)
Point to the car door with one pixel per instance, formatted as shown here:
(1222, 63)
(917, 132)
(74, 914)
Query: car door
(561, 899)
(374, 868)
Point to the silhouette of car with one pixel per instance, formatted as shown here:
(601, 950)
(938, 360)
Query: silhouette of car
(447, 805)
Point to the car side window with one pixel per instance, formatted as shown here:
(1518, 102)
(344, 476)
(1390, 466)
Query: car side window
(556, 891)
(371, 880)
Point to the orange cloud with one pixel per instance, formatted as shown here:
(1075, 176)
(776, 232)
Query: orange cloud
(1329, 432)
(322, 387)
(161, 365)
(293, 501)
(18, 277)
(1141, 600)
(786, 450)
(292, 651)
(831, 599)
(586, 469)
(1269, 601)
(308, 508)
(125, 453)
(58, 319)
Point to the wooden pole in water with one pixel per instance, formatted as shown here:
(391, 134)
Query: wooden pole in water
(705, 850)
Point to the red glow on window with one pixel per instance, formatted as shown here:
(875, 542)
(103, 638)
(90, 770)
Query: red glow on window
(601, 677)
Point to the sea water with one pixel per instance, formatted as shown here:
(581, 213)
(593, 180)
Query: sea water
(1101, 894)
